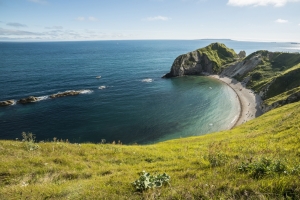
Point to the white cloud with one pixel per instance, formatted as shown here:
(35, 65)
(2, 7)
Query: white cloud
(158, 18)
(93, 19)
(281, 21)
(276, 3)
(80, 19)
(16, 25)
(11, 32)
(54, 27)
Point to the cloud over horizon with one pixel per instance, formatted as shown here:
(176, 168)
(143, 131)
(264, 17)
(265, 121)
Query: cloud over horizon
(11, 32)
(54, 27)
(158, 18)
(16, 25)
(276, 3)
(281, 21)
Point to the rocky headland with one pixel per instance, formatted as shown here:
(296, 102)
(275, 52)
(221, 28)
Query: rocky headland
(271, 76)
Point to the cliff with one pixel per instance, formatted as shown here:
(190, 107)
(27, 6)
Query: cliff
(209, 59)
(269, 74)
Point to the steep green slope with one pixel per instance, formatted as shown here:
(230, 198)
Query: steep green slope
(283, 96)
(219, 54)
(278, 70)
(257, 160)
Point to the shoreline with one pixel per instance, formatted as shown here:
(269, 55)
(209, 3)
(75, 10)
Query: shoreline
(248, 100)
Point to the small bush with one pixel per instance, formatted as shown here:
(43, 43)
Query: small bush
(147, 181)
(29, 140)
(263, 167)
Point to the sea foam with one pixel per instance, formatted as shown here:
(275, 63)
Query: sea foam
(102, 87)
(41, 98)
(86, 91)
(147, 80)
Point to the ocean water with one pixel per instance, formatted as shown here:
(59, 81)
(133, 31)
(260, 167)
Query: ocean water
(124, 97)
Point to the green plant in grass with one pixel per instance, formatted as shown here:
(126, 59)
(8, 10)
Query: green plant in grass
(147, 181)
(263, 167)
(29, 141)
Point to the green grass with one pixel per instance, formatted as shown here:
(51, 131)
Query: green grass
(257, 160)
(283, 96)
(278, 71)
(219, 54)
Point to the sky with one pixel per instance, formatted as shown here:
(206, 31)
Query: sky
(80, 20)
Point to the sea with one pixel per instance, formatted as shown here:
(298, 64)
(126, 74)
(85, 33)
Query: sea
(123, 97)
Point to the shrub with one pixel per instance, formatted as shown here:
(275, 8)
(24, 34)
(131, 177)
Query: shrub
(147, 181)
(29, 140)
(263, 167)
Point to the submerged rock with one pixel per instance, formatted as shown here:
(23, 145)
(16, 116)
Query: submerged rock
(7, 103)
(67, 93)
(29, 99)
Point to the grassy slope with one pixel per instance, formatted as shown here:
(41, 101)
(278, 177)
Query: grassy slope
(282, 68)
(282, 96)
(200, 167)
(219, 54)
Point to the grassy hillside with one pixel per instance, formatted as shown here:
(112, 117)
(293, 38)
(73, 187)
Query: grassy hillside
(257, 160)
(283, 96)
(219, 54)
(279, 69)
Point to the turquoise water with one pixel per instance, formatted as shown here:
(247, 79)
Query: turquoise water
(133, 105)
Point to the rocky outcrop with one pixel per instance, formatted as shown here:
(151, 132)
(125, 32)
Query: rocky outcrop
(202, 61)
(66, 93)
(29, 99)
(7, 103)
(190, 64)
(242, 54)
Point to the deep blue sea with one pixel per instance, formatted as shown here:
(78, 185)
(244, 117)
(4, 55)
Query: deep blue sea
(130, 102)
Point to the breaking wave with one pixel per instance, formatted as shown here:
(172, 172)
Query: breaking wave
(147, 80)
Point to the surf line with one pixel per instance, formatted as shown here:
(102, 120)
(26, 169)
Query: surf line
(235, 121)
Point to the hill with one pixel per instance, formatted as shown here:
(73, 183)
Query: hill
(257, 160)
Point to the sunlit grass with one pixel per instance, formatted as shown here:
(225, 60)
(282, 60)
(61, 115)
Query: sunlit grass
(200, 167)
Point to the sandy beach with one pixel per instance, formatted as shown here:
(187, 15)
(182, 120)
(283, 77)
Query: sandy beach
(249, 101)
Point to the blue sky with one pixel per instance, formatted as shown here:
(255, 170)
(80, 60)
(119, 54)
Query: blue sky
(68, 20)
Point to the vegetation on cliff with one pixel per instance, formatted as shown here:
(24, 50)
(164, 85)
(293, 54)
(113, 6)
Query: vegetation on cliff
(257, 160)
(209, 59)
(218, 54)
(276, 77)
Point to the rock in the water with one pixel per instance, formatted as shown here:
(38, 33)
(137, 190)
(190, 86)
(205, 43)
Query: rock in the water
(67, 93)
(242, 54)
(7, 103)
(29, 99)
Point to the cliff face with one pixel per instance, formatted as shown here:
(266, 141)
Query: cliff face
(209, 59)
